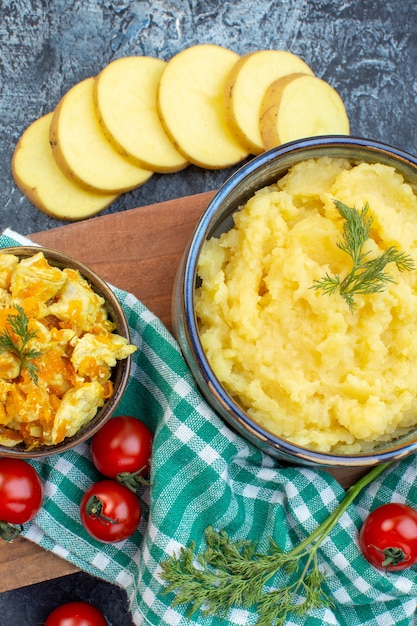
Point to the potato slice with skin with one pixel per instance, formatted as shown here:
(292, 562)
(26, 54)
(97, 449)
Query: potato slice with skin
(298, 106)
(245, 88)
(190, 104)
(38, 176)
(125, 95)
(82, 150)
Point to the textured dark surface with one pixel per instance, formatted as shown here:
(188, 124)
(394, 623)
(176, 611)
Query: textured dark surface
(366, 50)
(30, 606)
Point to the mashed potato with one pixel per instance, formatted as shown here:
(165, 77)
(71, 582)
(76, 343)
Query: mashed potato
(301, 363)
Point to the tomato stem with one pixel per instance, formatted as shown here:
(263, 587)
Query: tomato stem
(393, 556)
(8, 532)
(133, 480)
(94, 508)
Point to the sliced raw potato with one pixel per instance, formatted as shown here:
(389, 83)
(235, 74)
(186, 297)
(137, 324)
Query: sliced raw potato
(246, 86)
(82, 150)
(38, 176)
(298, 106)
(125, 94)
(190, 104)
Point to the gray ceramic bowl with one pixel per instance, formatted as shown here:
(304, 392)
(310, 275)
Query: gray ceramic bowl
(217, 218)
(120, 373)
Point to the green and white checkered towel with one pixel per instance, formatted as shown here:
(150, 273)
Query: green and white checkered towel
(204, 474)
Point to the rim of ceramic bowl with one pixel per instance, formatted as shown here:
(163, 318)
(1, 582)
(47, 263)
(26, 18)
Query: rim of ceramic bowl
(121, 371)
(233, 193)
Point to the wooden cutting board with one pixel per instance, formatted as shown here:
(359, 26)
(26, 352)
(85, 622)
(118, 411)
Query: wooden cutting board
(139, 251)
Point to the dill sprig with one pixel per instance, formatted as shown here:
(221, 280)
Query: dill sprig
(231, 573)
(16, 341)
(367, 275)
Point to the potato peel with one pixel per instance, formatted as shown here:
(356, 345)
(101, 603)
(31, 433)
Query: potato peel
(38, 176)
(141, 115)
(82, 150)
(125, 94)
(190, 104)
(298, 106)
(245, 88)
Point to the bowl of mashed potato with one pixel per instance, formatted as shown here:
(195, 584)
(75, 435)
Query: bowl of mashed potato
(295, 304)
(65, 352)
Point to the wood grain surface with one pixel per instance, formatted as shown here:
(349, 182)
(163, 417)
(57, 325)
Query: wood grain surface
(137, 250)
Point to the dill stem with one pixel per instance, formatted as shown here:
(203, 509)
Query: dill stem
(311, 556)
(325, 527)
(366, 276)
(238, 573)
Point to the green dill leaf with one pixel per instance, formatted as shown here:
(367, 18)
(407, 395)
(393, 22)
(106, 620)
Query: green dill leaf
(315, 595)
(18, 344)
(367, 276)
(212, 584)
(31, 368)
(7, 343)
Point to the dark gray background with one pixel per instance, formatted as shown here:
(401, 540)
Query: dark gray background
(365, 50)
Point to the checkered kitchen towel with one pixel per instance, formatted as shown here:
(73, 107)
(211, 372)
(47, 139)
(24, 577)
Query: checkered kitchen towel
(204, 474)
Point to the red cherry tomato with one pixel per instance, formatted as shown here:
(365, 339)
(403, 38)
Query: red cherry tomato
(388, 537)
(21, 491)
(76, 614)
(123, 444)
(109, 511)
